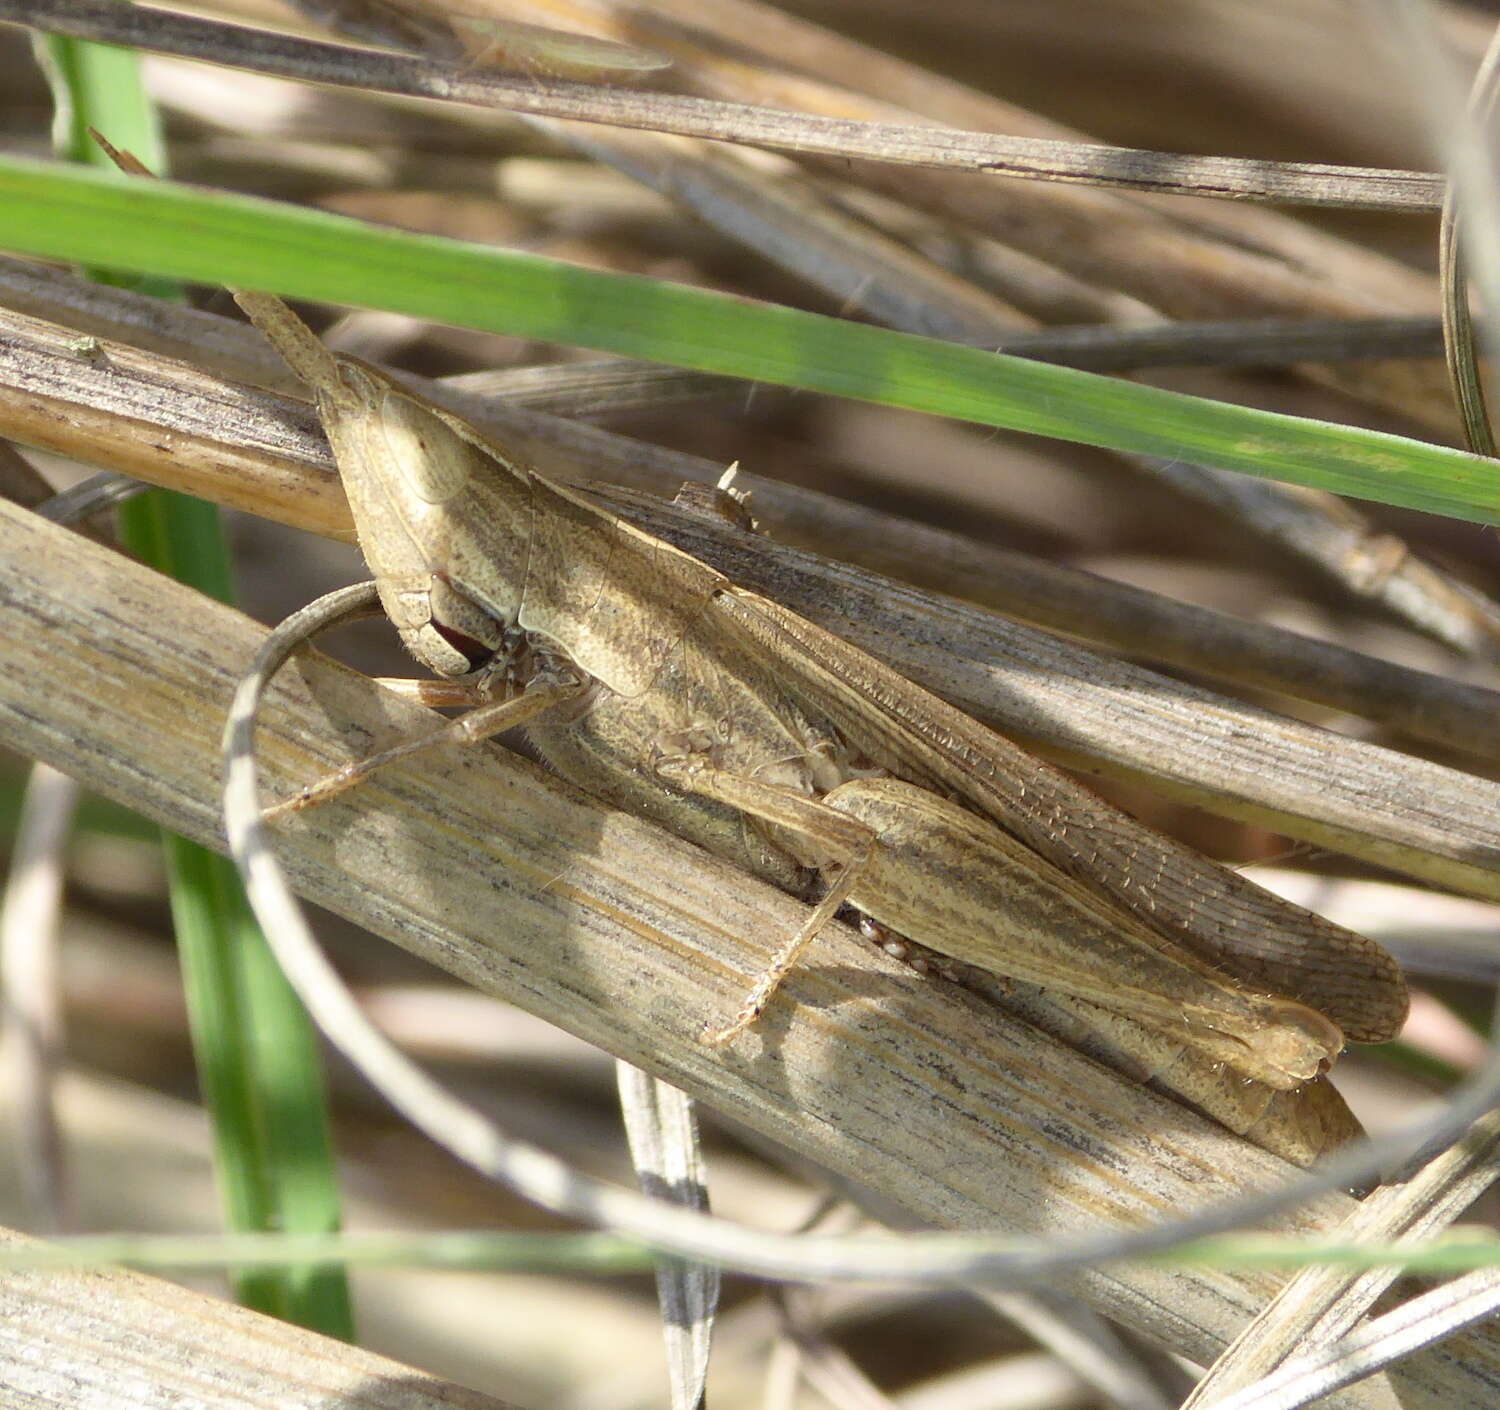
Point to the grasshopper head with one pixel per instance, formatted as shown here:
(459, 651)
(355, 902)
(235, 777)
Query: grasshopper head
(443, 520)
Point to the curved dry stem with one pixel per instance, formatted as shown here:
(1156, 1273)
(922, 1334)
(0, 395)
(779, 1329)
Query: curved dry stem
(966, 1115)
(475, 1139)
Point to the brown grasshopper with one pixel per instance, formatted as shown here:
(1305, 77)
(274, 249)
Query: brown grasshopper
(656, 683)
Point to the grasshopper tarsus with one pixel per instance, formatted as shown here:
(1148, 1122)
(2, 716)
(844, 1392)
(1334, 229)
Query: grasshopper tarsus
(327, 788)
(712, 1037)
(304, 798)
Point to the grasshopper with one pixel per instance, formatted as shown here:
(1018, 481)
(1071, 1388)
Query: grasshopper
(656, 683)
(653, 681)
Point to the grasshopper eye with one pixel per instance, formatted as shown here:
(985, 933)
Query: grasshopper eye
(431, 460)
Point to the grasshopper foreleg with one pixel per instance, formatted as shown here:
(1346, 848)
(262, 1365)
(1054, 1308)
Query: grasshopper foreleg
(479, 724)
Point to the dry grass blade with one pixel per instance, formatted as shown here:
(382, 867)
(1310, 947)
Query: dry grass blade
(1023, 1381)
(1337, 792)
(119, 1338)
(30, 992)
(1121, 1368)
(788, 223)
(595, 388)
(1248, 342)
(664, 1147)
(162, 31)
(96, 310)
(1320, 1306)
(821, 1364)
(1424, 1321)
(1131, 1375)
(91, 497)
(1370, 565)
(1459, 345)
(1420, 55)
(20, 481)
(1460, 353)
(596, 935)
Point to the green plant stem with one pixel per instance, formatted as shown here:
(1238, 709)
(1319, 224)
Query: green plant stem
(162, 227)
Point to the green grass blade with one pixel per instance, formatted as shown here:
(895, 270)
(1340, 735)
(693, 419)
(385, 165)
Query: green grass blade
(258, 1063)
(98, 85)
(163, 228)
(590, 1254)
(1459, 1249)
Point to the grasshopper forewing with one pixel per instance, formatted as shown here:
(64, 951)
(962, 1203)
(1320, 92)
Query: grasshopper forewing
(650, 679)
(1222, 917)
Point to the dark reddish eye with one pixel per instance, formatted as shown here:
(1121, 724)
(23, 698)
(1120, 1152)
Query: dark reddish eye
(476, 653)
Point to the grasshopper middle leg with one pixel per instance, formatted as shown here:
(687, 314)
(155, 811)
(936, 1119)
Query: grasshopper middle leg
(824, 837)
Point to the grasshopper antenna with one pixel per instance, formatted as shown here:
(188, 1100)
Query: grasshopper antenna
(298, 345)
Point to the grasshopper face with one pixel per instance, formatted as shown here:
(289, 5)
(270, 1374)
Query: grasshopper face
(443, 519)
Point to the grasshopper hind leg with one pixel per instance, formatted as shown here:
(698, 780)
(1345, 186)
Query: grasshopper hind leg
(784, 961)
